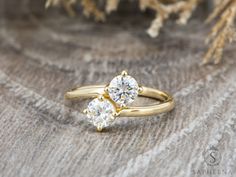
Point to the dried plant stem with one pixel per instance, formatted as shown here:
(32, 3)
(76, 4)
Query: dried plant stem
(220, 6)
(222, 32)
(90, 8)
(111, 5)
(183, 8)
(67, 4)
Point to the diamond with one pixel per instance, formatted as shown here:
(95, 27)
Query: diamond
(123, 89)
(100, 112)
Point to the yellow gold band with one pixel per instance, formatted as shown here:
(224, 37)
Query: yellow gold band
(166, 101)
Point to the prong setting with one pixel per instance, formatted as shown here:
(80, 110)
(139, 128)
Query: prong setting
(99, 128)
(101, 98)
(140, 89)
(100, 112)
(106, 90)
(85, 111)
(115, 114)
(120, 92)
(124, 73)
(123, 106)
(123, 89)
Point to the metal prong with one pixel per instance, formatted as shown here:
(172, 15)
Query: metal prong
(85, 111)
(115, 114)
(140, 89)
(123, 106)
(99, 128)
(106, 90)
(100, 98)
(124, 73)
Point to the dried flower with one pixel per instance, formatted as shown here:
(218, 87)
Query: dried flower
(112, 5)
(163, 10)
(222, 32)
(183, 8)
(67, 4)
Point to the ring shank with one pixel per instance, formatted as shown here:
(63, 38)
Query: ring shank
(167, 101)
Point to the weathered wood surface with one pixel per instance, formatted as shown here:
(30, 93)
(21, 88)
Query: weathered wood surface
(43, 53)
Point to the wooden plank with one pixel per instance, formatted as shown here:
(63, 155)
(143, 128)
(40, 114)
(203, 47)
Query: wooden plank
(42, 54)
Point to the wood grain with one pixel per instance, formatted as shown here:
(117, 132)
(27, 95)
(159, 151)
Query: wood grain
(44, 53)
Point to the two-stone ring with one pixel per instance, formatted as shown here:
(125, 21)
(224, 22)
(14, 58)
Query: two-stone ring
(113, 100)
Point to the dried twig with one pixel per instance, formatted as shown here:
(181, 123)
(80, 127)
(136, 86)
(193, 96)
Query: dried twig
(222, 32)
(183, 8)
(67, 4)
(112, 5)
(90, 8)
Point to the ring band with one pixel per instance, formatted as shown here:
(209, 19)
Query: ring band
(167, 101)
(112, 100)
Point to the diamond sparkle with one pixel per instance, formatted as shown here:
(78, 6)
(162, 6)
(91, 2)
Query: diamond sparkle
(123, 90)
(100, 112)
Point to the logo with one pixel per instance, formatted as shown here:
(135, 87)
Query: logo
(212, 156)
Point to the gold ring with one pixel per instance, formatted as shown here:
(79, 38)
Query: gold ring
(113, 100)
